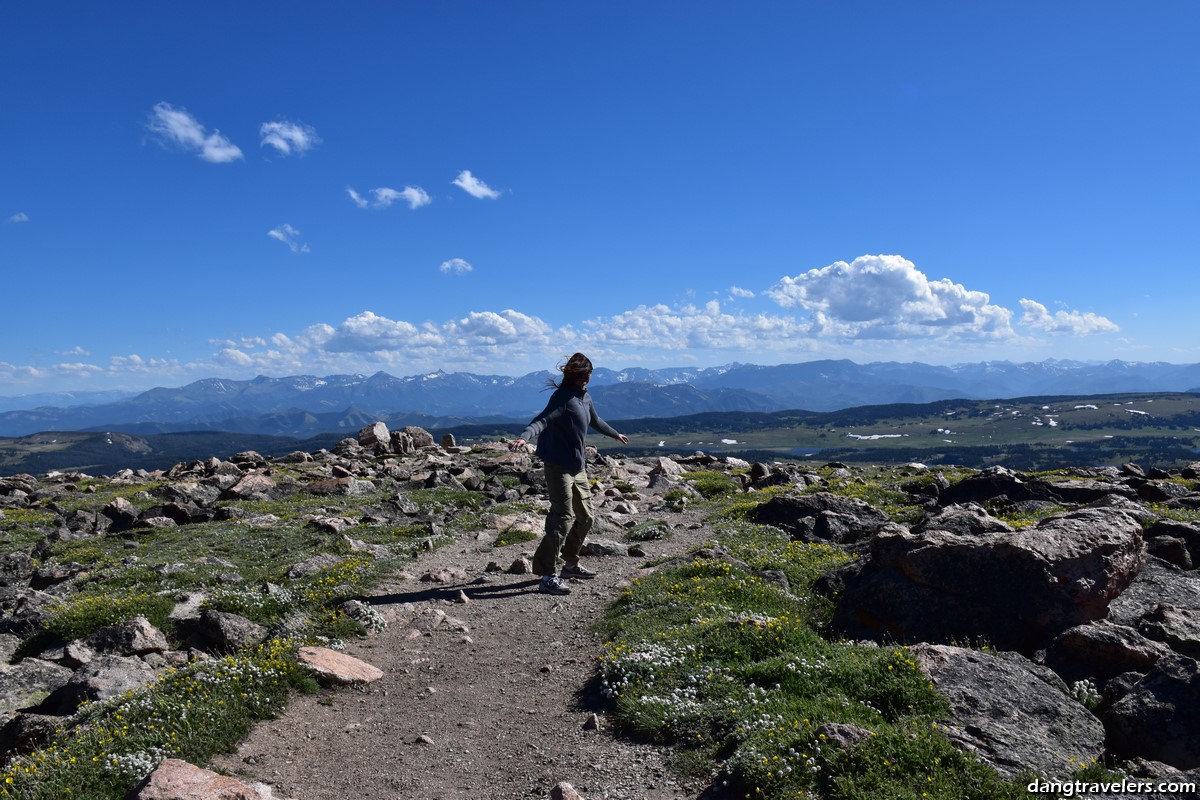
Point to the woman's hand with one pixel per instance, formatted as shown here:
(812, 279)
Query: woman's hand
(517, 444)
(624, 439)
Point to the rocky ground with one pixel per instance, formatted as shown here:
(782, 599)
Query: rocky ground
(490, 700)
(1086, 596)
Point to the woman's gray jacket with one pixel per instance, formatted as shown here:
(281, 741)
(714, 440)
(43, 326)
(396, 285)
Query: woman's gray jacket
(561, 428)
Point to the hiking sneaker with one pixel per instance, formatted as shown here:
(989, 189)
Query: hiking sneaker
(576, 571)
(552, 584)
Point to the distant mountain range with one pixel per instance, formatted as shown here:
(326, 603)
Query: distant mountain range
(304, 406)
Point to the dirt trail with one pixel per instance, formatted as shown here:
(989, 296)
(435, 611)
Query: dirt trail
(495, 711)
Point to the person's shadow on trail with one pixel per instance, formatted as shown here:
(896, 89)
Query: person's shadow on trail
(473, 591)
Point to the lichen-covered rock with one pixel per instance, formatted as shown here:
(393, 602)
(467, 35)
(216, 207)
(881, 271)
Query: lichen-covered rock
(1014, 589)
(1159, 718)
(1009, 712)
(1101, 650)
(134, 637)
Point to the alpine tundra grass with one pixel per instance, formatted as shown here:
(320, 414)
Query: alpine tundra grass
(731, 669)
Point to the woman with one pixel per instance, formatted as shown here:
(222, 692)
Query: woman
(561, 430)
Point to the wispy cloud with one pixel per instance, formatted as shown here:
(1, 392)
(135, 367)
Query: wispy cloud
(737, 291)
(475, 187)
(176, 126)
(289, 138)
(20, 216)
(19, 373)
(289, 236)
(75, 351)
(384, 196)
(456, 265)
(1075, 323)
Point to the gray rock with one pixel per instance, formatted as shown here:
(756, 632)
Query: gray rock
(833, 518)
(1178, 628)
(122, 513)
(1170, 549)
(1189, 532)
(1159, 718)
(419, 436)
(962, 519)
(992, 483)
(1015, 590)
(313, 565)
(604, 547)
(222, 632)
(103, 677)
(133, 637)
(1159, 583)
(1101, 650)
(28, 683)
(16, 569)
(254, 486)
(373, 434)
(1003, 710)
(25, 733)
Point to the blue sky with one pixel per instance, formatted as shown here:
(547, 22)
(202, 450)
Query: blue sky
(233, 189)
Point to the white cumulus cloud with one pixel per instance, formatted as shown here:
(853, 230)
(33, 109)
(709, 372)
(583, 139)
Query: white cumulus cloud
(369, 332)
(491, 328)
(176, 126)
(384, 196)
(737, 291)
(20, 216)
(289, 138)
(475, 187)
(887, 297)
(1075, 323)
(289, 236)
(456, 265)
(695, 328)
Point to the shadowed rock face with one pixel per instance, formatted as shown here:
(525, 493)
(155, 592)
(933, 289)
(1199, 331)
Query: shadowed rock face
(1012, 589)
(1159, 719)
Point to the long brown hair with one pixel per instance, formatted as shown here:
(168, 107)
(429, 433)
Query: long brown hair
(577, 368)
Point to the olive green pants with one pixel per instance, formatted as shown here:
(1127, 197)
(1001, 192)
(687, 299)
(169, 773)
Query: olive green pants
(568, 522)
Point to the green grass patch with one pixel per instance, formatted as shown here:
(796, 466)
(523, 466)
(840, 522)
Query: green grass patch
(190, 713)
(711, 483)
(717, 662)
(514, 536)
(84, 613)
(649, 531)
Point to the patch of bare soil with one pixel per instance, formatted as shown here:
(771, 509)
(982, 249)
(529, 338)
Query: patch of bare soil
(490, 698)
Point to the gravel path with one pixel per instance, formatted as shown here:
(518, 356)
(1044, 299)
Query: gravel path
(492, 701)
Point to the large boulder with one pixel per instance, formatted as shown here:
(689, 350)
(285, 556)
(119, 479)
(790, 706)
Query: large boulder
(1011, 713)
(1159, 719)
(174, 779)
(376, 433)
(1178, 628)
(134, 637)
(821, 517)
(962, 519)
(1159, 583)
(103, 677)
(29, 682)
(223, 632)
(254, 486)
(992, 483)
(1014, 590)
(1101, 650)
